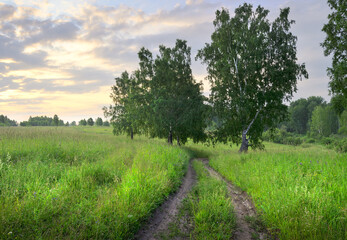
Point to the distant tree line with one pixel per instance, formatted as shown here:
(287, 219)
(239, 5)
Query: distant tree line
(312, 120)
(5, 121)
(43, 121)
(91, 122)
(314, 117)
(49, 121)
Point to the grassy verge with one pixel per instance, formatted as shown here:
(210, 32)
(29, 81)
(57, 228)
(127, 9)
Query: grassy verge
(73, 183)
(300, 192)
(209, 207)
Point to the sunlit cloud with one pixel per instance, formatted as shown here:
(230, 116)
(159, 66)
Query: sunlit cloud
(61, 57)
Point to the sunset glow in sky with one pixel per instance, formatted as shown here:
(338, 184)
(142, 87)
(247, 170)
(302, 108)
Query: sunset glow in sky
(61, 57)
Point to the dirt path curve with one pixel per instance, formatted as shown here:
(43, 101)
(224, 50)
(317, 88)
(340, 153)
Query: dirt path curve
(243, 207)
(166, 213)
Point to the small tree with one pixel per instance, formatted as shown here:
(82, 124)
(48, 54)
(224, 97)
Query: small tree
(56, 120)
(73, 123)
(125, 113)
(252, 68)
(324, 121)
(106, 124)
(98, 121)
(82, 122)
(90, 121)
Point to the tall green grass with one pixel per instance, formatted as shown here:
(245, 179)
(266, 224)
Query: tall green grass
(74, 183)
(300, 192)
(210, 206)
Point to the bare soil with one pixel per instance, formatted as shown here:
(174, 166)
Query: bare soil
(243, 207)
(167, 212)
(159, 224)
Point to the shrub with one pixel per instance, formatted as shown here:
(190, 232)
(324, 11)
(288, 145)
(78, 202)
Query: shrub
(311, 140)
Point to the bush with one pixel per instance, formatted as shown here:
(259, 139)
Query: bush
(327, 141)
(311, 140)
(339, 144)
(282, 136)
(343, 131)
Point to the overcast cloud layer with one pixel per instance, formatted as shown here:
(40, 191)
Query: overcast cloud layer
(61, 58)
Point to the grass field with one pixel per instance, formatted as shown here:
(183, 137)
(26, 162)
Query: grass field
(301, 193)
(211, 208)
(77, 183)
(83, 182)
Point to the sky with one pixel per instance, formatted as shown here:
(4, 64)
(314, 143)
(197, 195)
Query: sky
(61, 57)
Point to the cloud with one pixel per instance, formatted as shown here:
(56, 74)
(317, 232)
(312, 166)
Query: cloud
(6, 11)
(73, 49)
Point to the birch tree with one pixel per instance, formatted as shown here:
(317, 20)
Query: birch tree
(252, 67)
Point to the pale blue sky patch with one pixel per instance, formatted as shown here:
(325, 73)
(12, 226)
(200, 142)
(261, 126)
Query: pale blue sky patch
(70, 50)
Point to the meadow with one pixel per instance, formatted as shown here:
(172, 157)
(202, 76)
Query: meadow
(83, 182)
(299, 192)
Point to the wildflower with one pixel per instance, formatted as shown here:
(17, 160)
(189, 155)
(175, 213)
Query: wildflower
(129, 216)
(9, 233)
(300, 163)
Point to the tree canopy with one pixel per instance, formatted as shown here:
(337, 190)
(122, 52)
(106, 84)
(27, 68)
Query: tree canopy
(335, 43)
(90, 121)
(300, 113)
(252, 67)
(125, 113)
(161, 98)
(43, 121)
(98, 122)
(5, 121)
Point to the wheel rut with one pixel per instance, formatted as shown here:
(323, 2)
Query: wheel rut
(168, 211)
(243, 207)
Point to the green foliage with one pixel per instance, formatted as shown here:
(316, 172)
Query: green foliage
(339, 103)
(282, 136)
(161, 98)
(211, 209)
(177, 107)
(98, 122)
(43, 121)
(73, 123)
(56, 120)
(126, 114)
(252, 69)
(106, 124)
(300, 113)
(82, 122)
(335, 142)
(73, 183)
(5, 121)
(324, 121)
(90, 121)
(335, 43)
(300, 192)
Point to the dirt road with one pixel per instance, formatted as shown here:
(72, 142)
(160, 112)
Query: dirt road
(159, 223)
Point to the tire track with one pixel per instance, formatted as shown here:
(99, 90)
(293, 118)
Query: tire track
(243, 207)
(167, 212)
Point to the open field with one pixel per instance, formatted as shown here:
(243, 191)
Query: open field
(76, 184)
(83, 182)
(300, 193)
